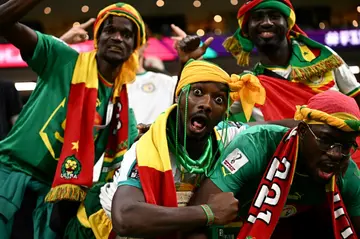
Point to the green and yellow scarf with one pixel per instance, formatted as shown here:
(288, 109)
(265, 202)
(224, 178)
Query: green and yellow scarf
(309, 57)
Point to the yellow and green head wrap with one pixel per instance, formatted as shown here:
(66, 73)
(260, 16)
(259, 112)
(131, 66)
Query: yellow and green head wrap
(331, 108)
(129, 68)
(246, 88)
(239, 45)
(122, 10)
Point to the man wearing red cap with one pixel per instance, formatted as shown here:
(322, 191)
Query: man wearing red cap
(299, 182)
(292, 67)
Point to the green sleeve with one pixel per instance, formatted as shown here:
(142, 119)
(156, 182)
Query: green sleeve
(133, 131)
(247, 157)
(350, 189)
(50, 54)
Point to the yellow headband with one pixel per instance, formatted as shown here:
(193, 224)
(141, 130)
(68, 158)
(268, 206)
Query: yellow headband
(246, 88)
(196, 71)
(343, 121)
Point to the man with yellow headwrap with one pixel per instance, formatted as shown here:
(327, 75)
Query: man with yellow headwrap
(161, 171)
(299, 182)
(78, 111)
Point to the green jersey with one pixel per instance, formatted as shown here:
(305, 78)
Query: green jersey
(34, 144)
(245, 161)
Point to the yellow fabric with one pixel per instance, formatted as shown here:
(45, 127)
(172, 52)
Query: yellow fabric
(246, 88)
(306, 53)
(86, 70)
(291, 19)
(241, 20)
(311, 116)
(251, 92)
(127, 74)
(201, 71)
(232, 45)
(101, 224)
(330, 186)
(82, 217)
(153, 148)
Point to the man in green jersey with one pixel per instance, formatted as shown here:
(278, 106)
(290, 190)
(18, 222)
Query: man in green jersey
(295, 183)
(161, 171)
(78, 111)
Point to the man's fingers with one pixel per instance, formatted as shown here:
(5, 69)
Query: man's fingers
(179, 32)
(207, 43)
(177, 38)
(88, 23)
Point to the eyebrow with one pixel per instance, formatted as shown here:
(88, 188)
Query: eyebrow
(262, 11)
(122, 27)
(223, 88)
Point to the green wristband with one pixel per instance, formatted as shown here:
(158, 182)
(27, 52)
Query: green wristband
(209, 214)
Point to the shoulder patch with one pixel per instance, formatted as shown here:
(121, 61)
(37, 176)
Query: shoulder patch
(235, 160)
(134, 173)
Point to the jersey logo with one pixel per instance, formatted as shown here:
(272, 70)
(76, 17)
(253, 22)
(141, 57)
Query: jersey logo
(134, 173)
(148, 87)
(288, 211)
(234, 161)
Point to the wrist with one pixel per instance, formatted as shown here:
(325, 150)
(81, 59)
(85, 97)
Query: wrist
(210, 217)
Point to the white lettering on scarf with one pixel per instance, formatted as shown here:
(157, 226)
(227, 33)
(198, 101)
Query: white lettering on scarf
(339, 214)
(263, 195)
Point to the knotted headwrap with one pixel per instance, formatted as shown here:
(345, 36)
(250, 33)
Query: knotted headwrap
(239, 44)
(246, 88)
(305, 63)
(131, 65)
(332, 108)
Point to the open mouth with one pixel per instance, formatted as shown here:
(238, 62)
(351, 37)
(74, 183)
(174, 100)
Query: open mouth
(266, 34)
(198, 123)
(327, 170)
(115, 49)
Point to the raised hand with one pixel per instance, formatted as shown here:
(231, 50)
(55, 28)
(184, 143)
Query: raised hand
(78, 34)
(189, 46)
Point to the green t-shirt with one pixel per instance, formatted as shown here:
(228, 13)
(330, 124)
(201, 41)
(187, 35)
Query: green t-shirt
(34, 144)
(245, 160)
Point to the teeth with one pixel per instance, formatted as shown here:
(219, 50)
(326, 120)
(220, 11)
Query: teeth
(115, 48)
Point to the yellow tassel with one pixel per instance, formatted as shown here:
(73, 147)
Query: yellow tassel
(66, 192)
(232, 45)
(304, 74)
(243, 58)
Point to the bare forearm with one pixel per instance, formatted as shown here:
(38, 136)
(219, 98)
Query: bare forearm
(13, 10)
(146, 220)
